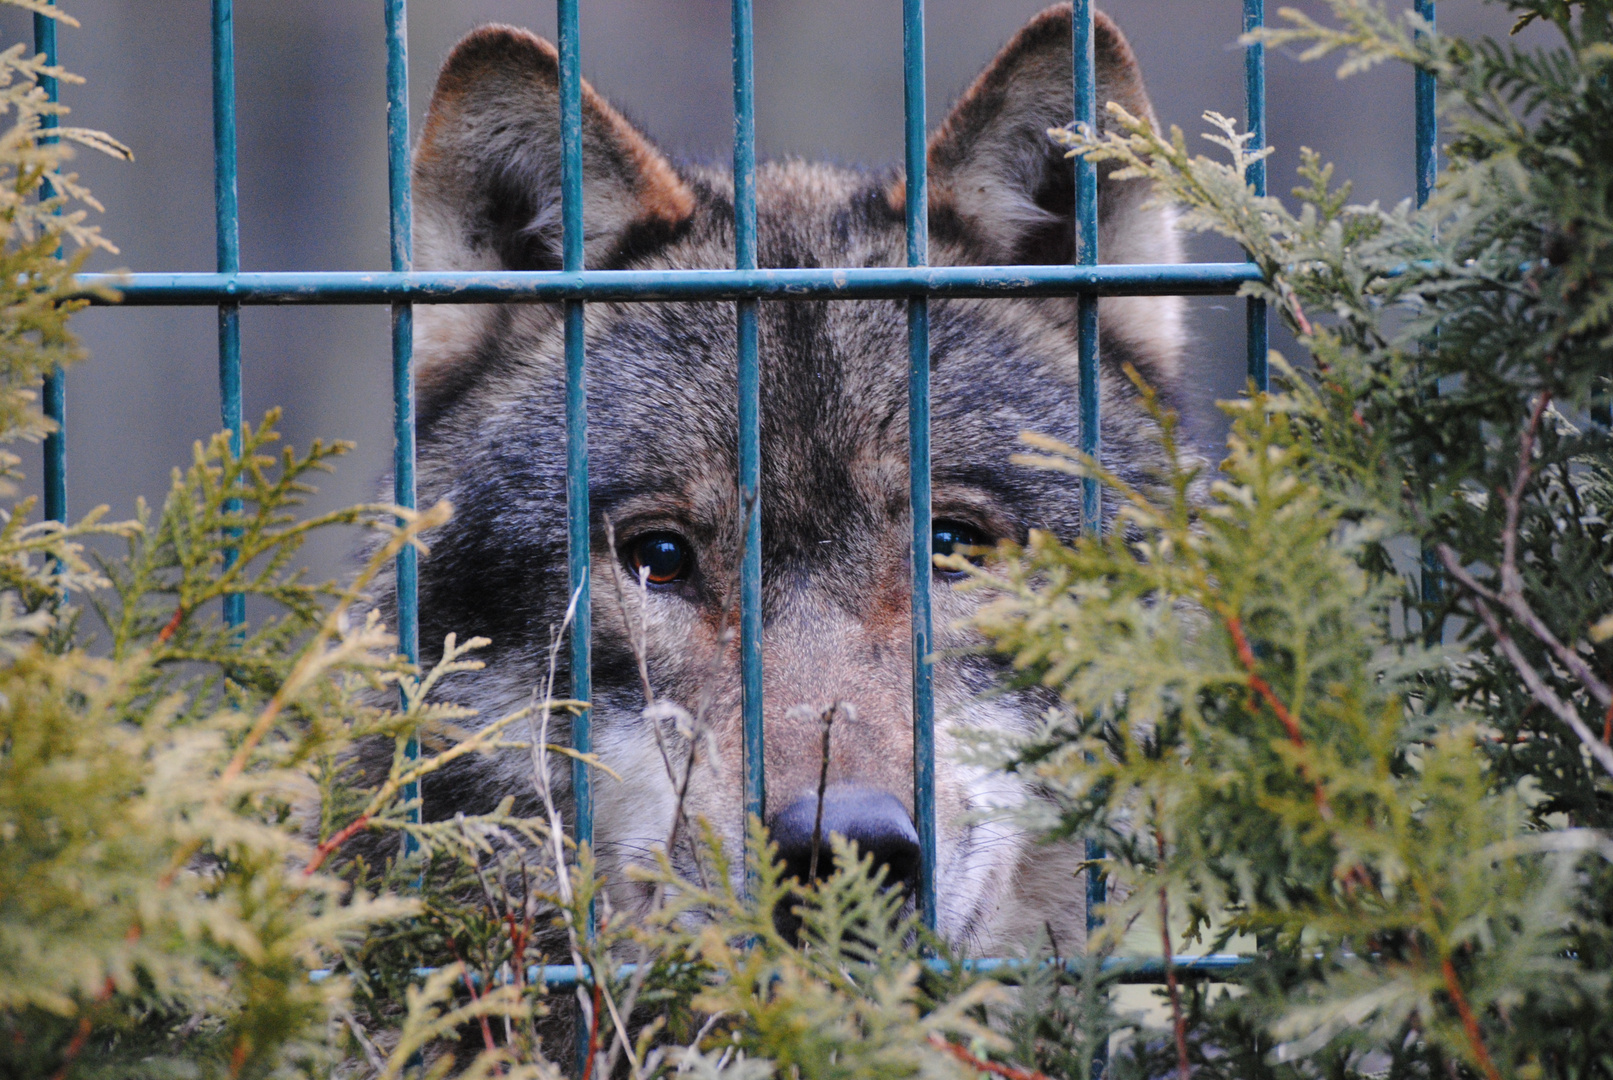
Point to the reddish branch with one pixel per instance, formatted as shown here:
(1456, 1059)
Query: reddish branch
(172, 626)
(335, 841)
(1008, 1072)
(1298, 312)
(470, 988)
(1178, 1024)
(593, 1033)
(1246, 656)
(81, 1035)
(1470, 1023)
(75, 1047)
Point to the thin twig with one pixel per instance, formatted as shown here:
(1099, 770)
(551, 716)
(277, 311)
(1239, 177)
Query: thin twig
(1513, 497)
(1518, 608)
(538, 734)
(619, 1044)
(1531, 678)
(371, 1054)
(681, 826)
(470, 988)
(707, 695)
(1510, 595)
(640, 646)
(828, 719)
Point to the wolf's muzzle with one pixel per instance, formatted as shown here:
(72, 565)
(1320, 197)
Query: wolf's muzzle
(874, 820)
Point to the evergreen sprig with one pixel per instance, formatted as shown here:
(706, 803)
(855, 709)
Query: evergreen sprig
(37, 215)
(1355, 702)
(1347, 696)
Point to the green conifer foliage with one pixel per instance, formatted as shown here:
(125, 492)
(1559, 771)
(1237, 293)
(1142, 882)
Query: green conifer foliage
(1341, 702)
(1392, 769)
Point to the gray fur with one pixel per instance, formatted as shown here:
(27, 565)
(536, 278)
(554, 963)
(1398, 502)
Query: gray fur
(663, 433)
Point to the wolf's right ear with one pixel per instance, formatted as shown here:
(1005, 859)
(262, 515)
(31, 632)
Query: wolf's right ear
(487, 169)
(993, 166)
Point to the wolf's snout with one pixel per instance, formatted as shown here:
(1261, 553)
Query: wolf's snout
(874, 820)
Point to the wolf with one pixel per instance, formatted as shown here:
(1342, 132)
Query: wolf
(666, 509)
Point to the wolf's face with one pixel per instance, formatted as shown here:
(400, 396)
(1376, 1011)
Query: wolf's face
(834, 506)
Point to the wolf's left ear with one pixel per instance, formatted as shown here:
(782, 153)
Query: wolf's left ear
(1010, 186)
(487, 170)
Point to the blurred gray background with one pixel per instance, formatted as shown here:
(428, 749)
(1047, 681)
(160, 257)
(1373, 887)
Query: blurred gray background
(313, 194)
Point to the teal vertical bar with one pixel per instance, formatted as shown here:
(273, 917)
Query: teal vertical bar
(750, 412)
(227, 226)
(577, 512)
(1427, 120)
(1256, 321)
(1086, 254)
(54, 396)
(918, 456)
(402, 250)
(1427, 145)
(578, 537)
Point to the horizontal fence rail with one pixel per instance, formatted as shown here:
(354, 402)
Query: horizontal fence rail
(1122, 969)
(550, 286)
(916, 284)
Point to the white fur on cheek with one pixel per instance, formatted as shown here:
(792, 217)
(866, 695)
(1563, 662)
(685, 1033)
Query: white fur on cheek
(633, 816)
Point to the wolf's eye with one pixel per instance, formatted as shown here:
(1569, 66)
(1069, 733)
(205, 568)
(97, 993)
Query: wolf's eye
(947, 537)
(664, 556)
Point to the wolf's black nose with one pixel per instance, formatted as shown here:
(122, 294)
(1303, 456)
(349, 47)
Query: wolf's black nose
(873, 819)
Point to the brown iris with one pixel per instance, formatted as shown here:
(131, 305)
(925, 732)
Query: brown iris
(660, 557)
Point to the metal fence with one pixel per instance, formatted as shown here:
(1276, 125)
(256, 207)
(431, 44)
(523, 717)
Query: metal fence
(747, 285)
